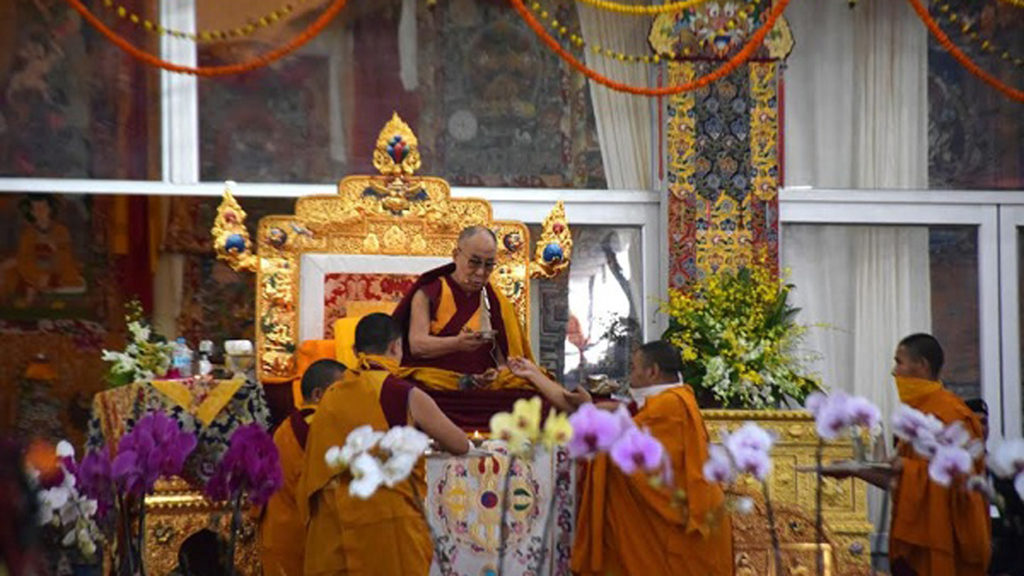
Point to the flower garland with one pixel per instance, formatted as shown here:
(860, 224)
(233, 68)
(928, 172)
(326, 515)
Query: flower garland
(576, 40)
(1017, 3)
(737, 60)
(959, 56)
(642, 10)
(972, 35)
(264, 21)
(208, 71)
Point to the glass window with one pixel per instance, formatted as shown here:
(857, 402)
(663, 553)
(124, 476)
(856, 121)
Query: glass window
(975, 133)
(73, 104)
(862, 288)
(489, 104)
(588, 319)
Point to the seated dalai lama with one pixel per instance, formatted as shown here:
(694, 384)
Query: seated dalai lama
(459, 330)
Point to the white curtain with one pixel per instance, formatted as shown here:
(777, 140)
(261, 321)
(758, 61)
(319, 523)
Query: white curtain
(856, 117)
(624, 122)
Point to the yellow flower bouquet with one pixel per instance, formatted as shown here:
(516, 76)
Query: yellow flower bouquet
(739, 339)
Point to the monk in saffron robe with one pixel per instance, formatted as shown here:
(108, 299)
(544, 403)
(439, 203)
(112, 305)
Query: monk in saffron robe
(282, 531)
(459, 330)
(387, 533)
(935, 531)
(626, 527)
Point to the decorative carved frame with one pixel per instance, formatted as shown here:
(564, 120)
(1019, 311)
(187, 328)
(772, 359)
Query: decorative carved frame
(394, 213)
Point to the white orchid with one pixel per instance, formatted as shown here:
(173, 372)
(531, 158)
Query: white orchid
(367, 476)
(359, 441)
(405, 440)
(398, 468)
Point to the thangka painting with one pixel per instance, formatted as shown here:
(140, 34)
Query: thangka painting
(499, 109)
(72, 105)
(464, 507)
(723, 170)
(976, 134)
(50, 264)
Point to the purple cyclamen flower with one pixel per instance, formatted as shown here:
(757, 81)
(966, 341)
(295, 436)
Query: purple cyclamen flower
(94, 479)
(832, 419)
(637, 450)
(593, 430)
(718, 467)
(250, 464)
(155, 447)
(948, 463)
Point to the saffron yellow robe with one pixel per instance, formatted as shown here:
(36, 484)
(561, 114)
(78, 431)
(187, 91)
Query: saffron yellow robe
(937, 531)
(626, 527)
(282, 531)
(452, 311)
(386, 534)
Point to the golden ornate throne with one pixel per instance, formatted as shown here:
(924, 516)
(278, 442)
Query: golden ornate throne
(357, 250)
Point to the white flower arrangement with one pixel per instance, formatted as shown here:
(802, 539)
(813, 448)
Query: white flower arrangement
(401, 447)
(65, 509)
(144, 358)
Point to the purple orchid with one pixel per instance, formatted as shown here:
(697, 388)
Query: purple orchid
(948, 463)
(593, 430)
(746, 451)
(250, 464)
(718, 467)
(94, 480)
(835, 413)
(155, 447)
(637, 450)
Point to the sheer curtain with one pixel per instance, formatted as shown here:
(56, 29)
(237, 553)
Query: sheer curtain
(624, 122)
(856, 117)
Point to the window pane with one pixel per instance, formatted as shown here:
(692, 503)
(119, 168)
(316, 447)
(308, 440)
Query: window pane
(73, 104)
(490, 105)
(975, 133)
(588, 318)
(863, 288)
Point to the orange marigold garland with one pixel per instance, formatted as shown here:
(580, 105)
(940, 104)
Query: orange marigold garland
(727, 68)
(960, 57)
(207, 71)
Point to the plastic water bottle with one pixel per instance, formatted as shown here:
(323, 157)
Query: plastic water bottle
(181, 358)
(204, 366)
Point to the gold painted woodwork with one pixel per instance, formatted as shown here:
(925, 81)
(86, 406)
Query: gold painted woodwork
(175, 511)
(793, 494)
(394, 213)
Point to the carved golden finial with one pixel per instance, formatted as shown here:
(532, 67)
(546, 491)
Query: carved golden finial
(398, 151)
(230, 238)
(554, 248)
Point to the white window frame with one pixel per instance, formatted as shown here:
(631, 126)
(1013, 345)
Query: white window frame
(929, 207)
(1011, 221)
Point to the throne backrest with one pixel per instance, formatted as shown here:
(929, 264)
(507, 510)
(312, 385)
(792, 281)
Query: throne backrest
(357, 251)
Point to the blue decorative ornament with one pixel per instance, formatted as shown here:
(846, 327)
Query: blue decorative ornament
(552, 252)
(235, 242)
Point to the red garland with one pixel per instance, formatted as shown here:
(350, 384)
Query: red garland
(742, 56)
(258, 62)
(962, 58)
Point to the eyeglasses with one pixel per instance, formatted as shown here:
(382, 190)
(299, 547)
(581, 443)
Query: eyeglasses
(476, 263)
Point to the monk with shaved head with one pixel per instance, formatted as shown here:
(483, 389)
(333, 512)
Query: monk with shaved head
(459, 330)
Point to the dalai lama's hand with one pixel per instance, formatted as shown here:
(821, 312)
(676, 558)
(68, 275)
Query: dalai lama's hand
(467, 341)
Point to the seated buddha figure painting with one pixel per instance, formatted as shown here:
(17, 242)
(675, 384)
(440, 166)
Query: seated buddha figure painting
(44, 258)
